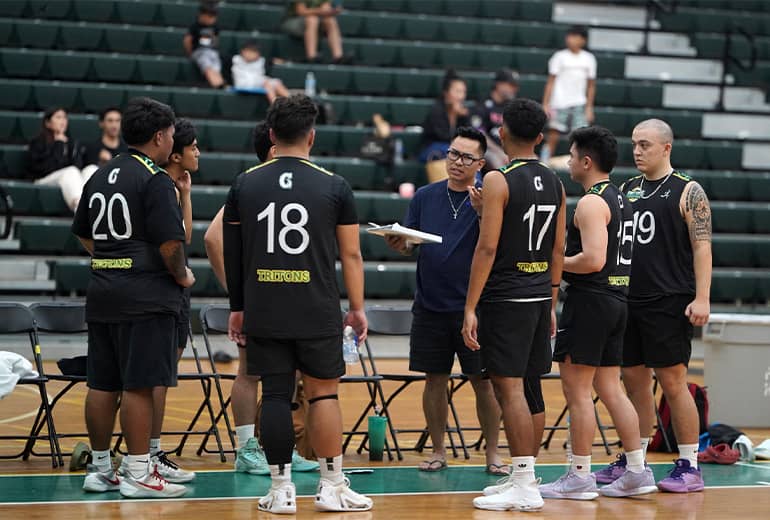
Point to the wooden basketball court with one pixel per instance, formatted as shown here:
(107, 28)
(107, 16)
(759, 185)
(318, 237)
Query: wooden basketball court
(32, 489)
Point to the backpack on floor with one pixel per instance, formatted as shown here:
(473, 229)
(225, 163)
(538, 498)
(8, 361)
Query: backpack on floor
(664, 439)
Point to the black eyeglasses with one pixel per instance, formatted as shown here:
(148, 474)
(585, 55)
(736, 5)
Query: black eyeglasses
(467, 159)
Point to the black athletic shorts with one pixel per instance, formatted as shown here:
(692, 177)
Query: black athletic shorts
(435, 339)
(658, 334)
(135, 354)
(318, 357)
(591, 329)
(183, 320)
(515, 338)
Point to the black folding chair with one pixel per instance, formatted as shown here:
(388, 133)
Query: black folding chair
(18, 319)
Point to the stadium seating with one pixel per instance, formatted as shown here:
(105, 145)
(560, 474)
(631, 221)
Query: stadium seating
(87, 55)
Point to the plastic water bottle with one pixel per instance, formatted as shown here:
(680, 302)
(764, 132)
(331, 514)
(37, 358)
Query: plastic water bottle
(398, 152)
(310, 85)
(349, 346)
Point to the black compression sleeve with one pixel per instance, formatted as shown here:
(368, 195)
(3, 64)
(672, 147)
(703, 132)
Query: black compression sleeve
(233, 251)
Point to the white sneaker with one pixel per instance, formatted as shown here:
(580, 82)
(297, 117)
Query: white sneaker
(515, 497)
(149, 485)
(502, 484)
(169, 470)
(571, 486)
(339, 497)
(280, 500)
(100, 481)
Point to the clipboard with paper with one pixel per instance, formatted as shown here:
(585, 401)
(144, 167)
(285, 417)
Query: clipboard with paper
(413, 236)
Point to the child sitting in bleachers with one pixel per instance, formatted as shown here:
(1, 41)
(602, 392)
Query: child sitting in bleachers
(249, 73)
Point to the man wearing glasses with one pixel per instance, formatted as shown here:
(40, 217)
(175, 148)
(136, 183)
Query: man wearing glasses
(444, 208)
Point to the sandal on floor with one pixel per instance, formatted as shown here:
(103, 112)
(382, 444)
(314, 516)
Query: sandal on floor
(433, 465)
(500, 470)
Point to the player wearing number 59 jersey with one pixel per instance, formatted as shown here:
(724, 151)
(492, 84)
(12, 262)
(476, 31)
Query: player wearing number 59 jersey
(130, 222)
(282, 221)
(515, 275)
(669, 292)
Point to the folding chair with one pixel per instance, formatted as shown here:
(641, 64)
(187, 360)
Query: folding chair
(17, 319)
(398, 321)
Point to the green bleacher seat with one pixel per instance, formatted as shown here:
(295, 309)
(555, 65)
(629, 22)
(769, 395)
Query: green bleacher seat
(6, 32)
(206, 201)
(136, 13)
(421, 27)
(167, 41)
(114, 68)
(496, 32)
(71, 275)
(12, 8)
(47, 237)
(386, 207)
(31, 199)
(349, 139)
(162, 94)
(23, 64)
(160, 70)
(241, 106)
(457, 55)
(228, 136)
(732, 251)
(177, 14)
(462, 8)
(361, 109)
(503, 9)
(49, 10)
(729, 285)
(759, 186)
(378, 52)
(361, 174)
(351, 23)
(69, 66)
(37, 33)
(197, 248)
(95, 98)
(15, 159)
(79, 36)
(15, 94)
(372, 81)
(94, 10)
(126, 39)
(419, 54)
(461, 30)
(539, 10)
(409, 111)
(29, 124)
(52, 95)
(416, 82)
(194, 102)
(533, 34)
(424, 6)
(496, 57)
(724, 185)
(689, 154)
(533, 61)
(383, 25)
(8, 127)
(217, 168)
(84, 127)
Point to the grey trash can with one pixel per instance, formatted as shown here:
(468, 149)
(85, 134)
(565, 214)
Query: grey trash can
(737, 369)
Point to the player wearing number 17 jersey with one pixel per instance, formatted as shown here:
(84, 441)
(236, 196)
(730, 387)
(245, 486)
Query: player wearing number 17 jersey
(669, 294)
(589, 342)
(129, 220)
(515, 275)
(282, 220)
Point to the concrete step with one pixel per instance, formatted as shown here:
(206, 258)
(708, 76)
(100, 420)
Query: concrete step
(705, 97)
(669, 44)
(598, 14)
(21, 269)
(756, 156)
(730, 126)
(673, 69)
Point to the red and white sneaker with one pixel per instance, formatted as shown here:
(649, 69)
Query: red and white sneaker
(149, 485)
(100, 481)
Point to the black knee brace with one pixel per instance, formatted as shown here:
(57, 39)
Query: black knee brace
(533, 391)
(322, 397)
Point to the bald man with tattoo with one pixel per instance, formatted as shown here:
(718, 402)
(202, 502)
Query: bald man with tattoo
(668, 296)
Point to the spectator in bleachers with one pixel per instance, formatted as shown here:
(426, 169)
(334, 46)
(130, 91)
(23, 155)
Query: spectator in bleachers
(488, 115)
(201, 44)
(249, 73)
(569, 93)
(110, 143)
(306, 18)
(448, 114)
(56, 159)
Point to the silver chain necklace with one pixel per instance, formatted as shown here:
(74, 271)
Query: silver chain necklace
(641, 186)
(456, 210)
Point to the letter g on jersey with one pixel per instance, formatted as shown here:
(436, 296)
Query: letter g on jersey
(286, 180)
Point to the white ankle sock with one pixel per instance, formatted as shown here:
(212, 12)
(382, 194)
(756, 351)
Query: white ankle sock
(689, 452)
(581, 464)
(243, 433)
(138, 465)
(645, 441)
(154, 446)
(331, 468)
(101, 459)
(523, 469)
(635, 461)
(280, 473)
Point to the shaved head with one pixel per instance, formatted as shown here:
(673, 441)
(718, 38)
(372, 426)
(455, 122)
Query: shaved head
(661, 129)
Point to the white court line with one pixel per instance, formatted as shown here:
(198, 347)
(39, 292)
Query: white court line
(24, 415)
(750, 465)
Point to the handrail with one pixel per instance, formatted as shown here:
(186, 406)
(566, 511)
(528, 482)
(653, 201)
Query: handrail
(728, 59)
(652, 7)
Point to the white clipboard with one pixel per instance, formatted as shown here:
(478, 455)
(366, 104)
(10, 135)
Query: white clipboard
(412, 235)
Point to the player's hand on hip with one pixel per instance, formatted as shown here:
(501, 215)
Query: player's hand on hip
(698, 312)
(470, 330)
(357, 320)
(188, 280)
(235, 328)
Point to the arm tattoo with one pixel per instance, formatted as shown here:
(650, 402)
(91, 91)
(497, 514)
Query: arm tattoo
(697, 205)
(173, 256)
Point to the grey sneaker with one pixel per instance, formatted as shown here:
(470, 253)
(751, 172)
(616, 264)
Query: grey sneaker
(571, 486)
(631, 484)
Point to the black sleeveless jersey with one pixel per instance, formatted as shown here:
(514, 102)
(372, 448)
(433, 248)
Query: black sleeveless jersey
(662, 257)
(522, 267)
(288, 210)
(129, 208)
(613, 279)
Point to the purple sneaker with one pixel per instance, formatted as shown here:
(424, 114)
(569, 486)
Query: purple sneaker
(682, 479)
(612, 472)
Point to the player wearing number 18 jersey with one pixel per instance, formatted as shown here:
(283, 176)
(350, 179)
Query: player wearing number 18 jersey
(515, 275)
(589, 341)
(282, 220)
(669, 293)
(130, 222)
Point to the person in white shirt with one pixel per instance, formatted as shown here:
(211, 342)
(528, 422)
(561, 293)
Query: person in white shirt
(569, 93)
(249, 73)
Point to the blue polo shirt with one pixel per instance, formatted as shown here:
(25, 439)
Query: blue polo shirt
(443, 270)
